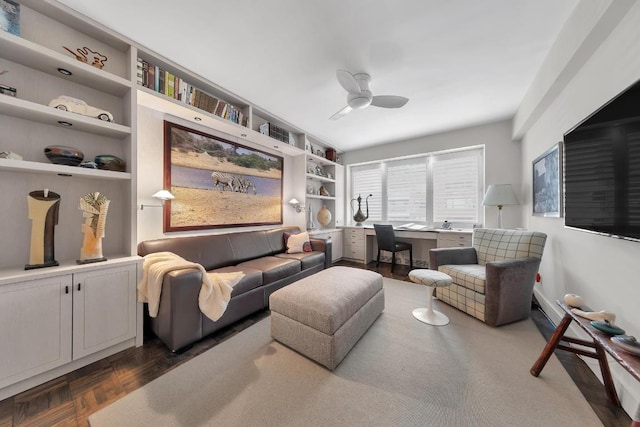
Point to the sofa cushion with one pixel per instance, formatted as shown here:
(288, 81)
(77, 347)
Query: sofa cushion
(297, 243)
(252, 279)
(307, 259)
(273, 268)
(470, 276)
(277, 243)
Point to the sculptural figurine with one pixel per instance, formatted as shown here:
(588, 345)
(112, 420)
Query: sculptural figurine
(94, 208)
(43, 211)
(573, 300)
(600, 316)
(359, 217)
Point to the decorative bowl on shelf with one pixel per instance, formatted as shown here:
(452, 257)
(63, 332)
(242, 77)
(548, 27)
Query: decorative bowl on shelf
(89, 164)
(110, 163)
(607, 327)
(627, 343)
(63, 155)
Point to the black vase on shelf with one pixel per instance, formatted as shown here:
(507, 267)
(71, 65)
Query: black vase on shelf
(63, 155)
(110, 163)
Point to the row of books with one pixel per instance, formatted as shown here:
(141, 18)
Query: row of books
(153, 77)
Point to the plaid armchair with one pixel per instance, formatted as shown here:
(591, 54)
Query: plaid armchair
(493, 280)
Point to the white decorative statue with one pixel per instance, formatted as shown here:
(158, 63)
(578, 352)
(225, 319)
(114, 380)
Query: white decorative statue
(94, 207)
(600, 316)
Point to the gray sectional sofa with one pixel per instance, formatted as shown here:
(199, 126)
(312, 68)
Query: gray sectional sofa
(260, 255)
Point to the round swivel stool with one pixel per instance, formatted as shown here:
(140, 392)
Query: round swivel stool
(431, 279)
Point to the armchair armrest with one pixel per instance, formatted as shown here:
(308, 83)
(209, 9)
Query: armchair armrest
(447, 256)
(322, 245)
(508, 289)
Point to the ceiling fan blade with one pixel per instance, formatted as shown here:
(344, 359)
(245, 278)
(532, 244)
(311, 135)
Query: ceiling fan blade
(389, 101)
(347, 81)
(346, 110)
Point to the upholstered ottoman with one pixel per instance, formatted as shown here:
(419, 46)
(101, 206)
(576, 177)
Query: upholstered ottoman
(322, 316)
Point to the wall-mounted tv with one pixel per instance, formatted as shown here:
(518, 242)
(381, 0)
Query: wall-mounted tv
(602, 169)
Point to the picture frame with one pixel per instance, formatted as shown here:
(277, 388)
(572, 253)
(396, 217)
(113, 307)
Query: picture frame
(10, 17)
(218, 183)
(547, 183)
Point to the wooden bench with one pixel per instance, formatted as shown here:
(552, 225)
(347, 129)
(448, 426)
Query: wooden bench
(601, 343)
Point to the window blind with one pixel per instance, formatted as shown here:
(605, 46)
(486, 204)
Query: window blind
(365, 180)
(428, 188)
(456, 186)
(407, 190)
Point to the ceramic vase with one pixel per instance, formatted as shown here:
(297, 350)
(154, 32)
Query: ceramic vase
(62, 155)
(324, 216)
(110, 163)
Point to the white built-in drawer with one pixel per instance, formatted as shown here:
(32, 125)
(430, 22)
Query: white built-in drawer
(454, 240)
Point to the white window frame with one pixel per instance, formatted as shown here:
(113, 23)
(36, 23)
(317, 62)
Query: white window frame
(477, 150)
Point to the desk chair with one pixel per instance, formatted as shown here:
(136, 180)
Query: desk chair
(387, 242)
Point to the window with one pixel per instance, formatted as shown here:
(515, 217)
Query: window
(407, 190)
(367, 179)
(428, 188)
(456, 187)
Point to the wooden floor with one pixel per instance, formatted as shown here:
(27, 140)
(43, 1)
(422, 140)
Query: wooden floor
(70, 399)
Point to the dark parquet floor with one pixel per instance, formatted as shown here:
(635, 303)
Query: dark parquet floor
(70, 399)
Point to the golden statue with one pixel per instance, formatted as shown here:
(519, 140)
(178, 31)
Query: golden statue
(94, 207)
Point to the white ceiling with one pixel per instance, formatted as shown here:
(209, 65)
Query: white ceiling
(461, 62)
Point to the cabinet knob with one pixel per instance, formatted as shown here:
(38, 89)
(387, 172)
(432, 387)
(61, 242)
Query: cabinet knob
(66, 289)
(78, 286)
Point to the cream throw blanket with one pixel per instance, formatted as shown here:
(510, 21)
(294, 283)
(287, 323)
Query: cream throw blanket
(215, 292)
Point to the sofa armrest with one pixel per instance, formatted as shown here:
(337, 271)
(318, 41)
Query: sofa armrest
(508, 290)
(322, 245)
(448, 256)
(179, 320)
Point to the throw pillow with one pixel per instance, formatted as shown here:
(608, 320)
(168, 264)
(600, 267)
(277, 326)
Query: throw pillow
(297, 243)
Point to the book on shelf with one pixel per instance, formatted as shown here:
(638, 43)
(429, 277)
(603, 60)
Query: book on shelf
(139, 78)
(169, 82)
(145, 73)
(161, 83)
(152, 77)
(156, 78)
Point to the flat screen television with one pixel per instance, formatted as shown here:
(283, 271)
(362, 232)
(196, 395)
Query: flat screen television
(602, 169)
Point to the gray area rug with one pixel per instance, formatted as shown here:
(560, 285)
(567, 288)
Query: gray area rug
(401, 373)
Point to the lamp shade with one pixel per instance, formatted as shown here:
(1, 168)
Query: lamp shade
(163, 195)
(499, 195)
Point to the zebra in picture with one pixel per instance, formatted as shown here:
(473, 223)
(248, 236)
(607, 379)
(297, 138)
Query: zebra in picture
(223, 180)
(246, 184)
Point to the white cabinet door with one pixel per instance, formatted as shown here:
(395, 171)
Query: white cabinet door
(336, 247)
(104, 308)
(35, 326)
(339, 210)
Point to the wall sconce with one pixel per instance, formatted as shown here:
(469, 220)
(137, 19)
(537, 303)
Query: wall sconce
(162, 195)
(296, 204)
(499, 195)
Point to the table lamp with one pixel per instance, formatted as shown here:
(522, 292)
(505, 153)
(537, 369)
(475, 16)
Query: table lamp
(499, 195)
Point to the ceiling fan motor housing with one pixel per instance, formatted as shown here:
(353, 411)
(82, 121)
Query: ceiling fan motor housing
(359, 100)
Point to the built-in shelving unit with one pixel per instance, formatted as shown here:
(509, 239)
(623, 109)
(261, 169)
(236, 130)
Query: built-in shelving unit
(70, 314)
(40, 67)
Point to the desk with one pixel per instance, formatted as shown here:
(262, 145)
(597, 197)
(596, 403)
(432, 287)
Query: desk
(601, 343)
(361, 244)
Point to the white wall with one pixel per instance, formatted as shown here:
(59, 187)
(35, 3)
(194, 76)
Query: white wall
(604, 270)
(150, 176)
(502, 160)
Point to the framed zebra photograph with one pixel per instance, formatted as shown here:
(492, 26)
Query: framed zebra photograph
(218, 183)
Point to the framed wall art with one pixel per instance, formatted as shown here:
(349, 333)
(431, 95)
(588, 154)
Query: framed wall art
(547, 183)
(218, 183)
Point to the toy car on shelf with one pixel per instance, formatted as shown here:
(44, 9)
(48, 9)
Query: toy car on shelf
(78, 106)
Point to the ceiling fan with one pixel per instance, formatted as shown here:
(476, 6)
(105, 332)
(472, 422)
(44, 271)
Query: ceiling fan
(360, 96)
